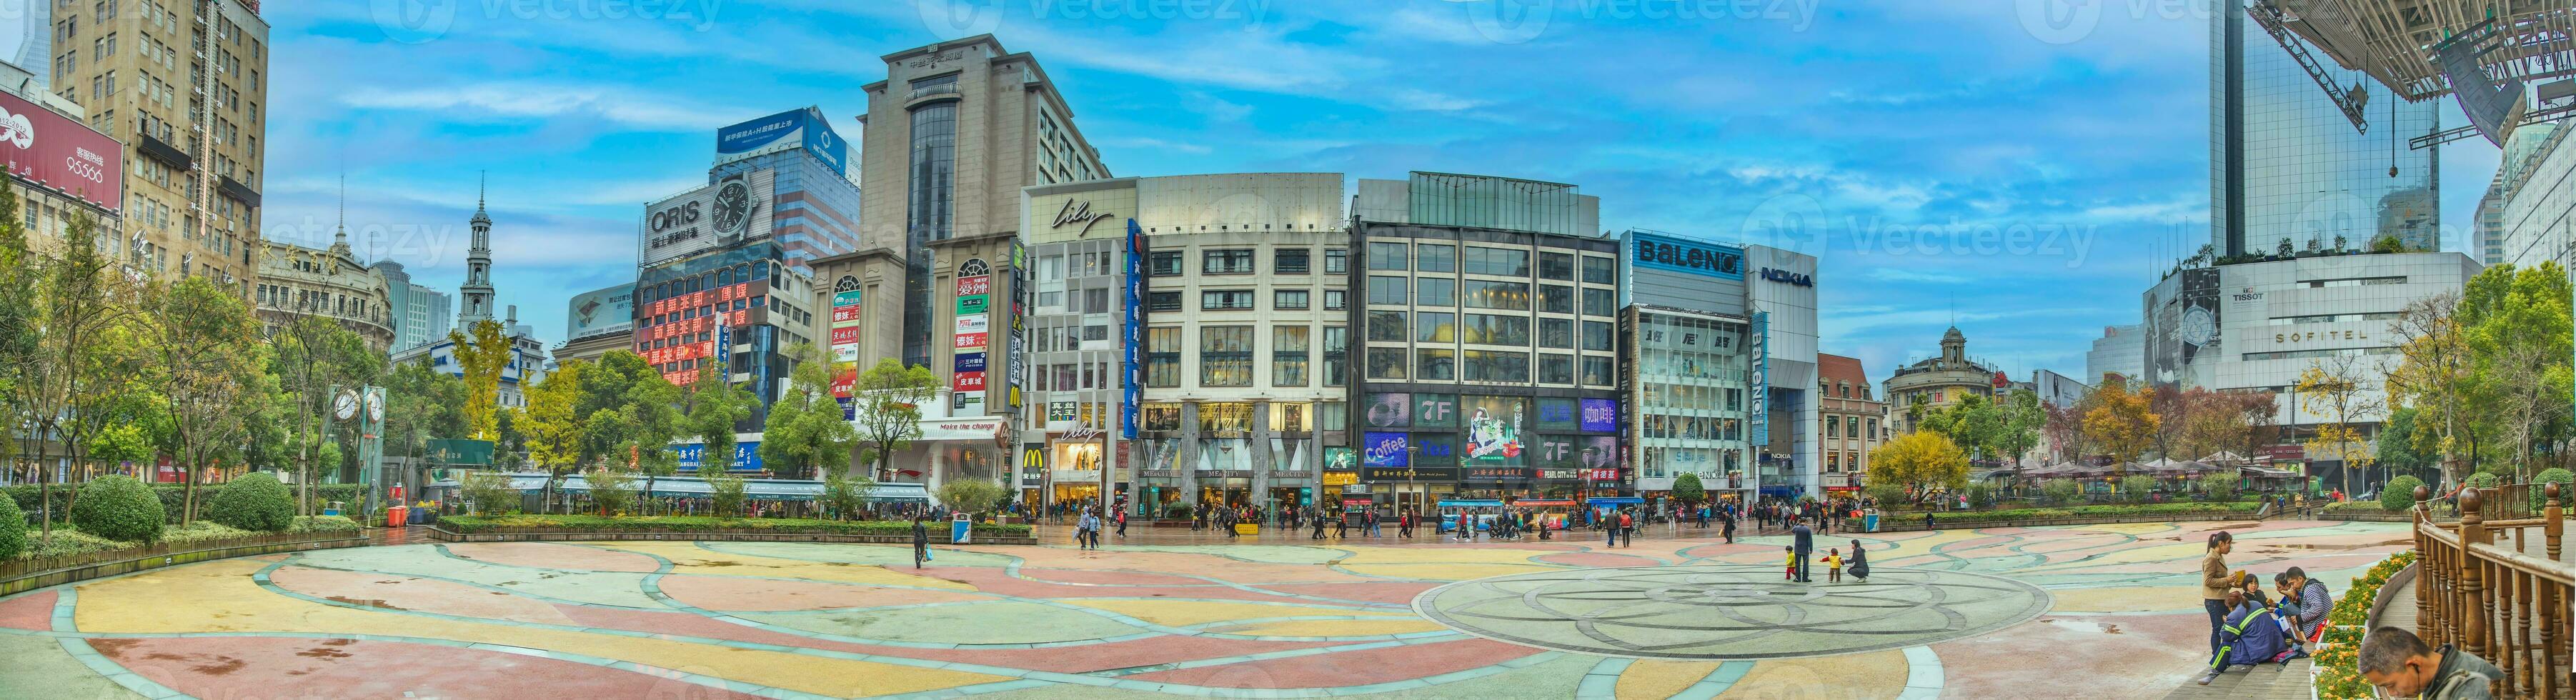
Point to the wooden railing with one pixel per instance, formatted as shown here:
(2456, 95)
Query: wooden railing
(2501, 602)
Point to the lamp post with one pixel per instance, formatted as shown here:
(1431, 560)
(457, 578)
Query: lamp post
(1411, 452)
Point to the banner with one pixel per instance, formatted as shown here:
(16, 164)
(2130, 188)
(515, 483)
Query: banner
(60, 153)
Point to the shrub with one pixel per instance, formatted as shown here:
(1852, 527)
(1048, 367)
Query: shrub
(13, 530)
(972, 495)
(1981, 496)
(2220, 486)
(119, 508)
(2399, 494)
(1687, 489)
(844, 497)
(491, 493)
(2059, 491)
(612, 491)
(325, 523)
(2482, 480)
(726, 490)
(67, 542)
(1885, 493)
(255, 502)
(2137, 488)
(2555, 475)
(689, 523)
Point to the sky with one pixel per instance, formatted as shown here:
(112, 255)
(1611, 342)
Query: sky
(2019, 168)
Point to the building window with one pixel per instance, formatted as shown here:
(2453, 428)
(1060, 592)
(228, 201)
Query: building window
(1508, 296)
(1556, 299)
(1600, 270)
(1337, 342)
(1435, 363)
(1435, 257)
(1290, 261)
(1386, 326)
(1386, 256)
(1225, 299)
(1161, 416)
(1600, 302)
(1556, 369)
(1497, 261)
(1288, 356)
(1163, 263)
(1435, 327)
(1496, 366)
(1596, 370)
(1386, 363)
(1336, 299)
(1383, 289)
(1162, 301)
(1225, 356)
(1163, 357)
(1556, 266)
(1487, 329)
(1436, 292)
(1288, 299)
(1337, 261)
(1226, 262)
(1556, 333)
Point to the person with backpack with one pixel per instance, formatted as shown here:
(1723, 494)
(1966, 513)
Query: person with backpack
(2253, 635)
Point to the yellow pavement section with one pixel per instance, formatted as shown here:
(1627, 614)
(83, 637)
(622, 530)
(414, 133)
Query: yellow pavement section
(1192, 612)
(2181, 599)
(1447, 572)
(687, 558)
(1332, 628)
(2127, 528)
(1877, 674)
(2186, 554)
(1659, 678)
(220, 597)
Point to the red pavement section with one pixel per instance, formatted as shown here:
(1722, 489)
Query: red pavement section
(1348, 668)
(2052, 652)
(33, 611)
(993, 580)
(399, 592)
(749, 594)
(1077, 659)
(265, 667)
(1371, 592)
(554, 556)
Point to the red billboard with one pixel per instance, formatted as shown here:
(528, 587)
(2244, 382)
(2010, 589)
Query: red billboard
(61, 153)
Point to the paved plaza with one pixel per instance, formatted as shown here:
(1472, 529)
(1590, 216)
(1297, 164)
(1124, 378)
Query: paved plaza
(2097, 611)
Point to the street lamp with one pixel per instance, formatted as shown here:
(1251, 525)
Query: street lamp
(1411, 453)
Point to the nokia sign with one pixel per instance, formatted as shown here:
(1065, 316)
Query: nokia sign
(1678, 255)
(1779, 275)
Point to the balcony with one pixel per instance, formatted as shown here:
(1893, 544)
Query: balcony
(234, 189)
(162, 151)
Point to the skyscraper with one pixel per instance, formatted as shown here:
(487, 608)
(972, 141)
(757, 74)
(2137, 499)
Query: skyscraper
(2285, 164)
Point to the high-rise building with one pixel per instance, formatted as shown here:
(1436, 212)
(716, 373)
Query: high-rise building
(421, 315)
(26, 45)
(2121, 350)
(182, 83)
(2535, 213)
(952, 134)
(1717, 344)
(2285, 163)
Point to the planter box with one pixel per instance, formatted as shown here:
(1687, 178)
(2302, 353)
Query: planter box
(548, 534)
(1917, 525)
(104, 564)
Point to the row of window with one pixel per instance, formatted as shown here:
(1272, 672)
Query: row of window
(1243, 261)
(1388, 290)
(1478, 260)
(1488, 329)
(1236, 417)
(1244, 299)
(1444, 364)
(1226, 355)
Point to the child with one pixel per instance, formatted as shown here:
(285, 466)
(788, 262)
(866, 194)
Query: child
(1793, 562)
(1834, 565)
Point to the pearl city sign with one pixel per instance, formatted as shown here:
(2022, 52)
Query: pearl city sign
(61, 154)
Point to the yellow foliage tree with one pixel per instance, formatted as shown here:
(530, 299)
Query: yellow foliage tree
(481, 358)
(2121, 423)
(1919, 459)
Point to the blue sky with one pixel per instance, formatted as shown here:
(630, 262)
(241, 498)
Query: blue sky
(2017, 165)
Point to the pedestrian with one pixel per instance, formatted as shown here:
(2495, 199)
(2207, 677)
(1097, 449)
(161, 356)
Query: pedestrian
(1404, 524)
(1610, 524)
(2252, 636)
(2398, 664)
(1223, 520)
(1341, 527)
(1805, 540)
(1628, 523)
(1730, 528)
(1859, 563)
(920, 541)
(2312, 600)
(2215, 581)
(1833, 566)
(1122, 524)
(1927, 522)
(1791, 572)
(1086, 531)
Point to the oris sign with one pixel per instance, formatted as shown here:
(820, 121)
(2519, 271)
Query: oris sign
(61, 154)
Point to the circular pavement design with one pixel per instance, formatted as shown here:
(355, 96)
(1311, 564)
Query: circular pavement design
(1729, 611)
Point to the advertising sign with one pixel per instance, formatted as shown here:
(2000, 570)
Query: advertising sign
(1600, 415)
(1340, 458)
(806, 128)
(970, 341)
(967, 381)
(1494, 430)
(61, 153)
(846, 383)
(975, 285)
(1434, 450)
(847, 336)
(601, 311)
(1389, 410)
(968, 362)
(1409, 473)
(1556, 414)
(1435, 410)
(731, 210)
(846, 318)
(976, 304)
(978, 323)
(746, 457)
(844, 314)
(1758, 416)
(1383, 450)
(1688, 256)
(1060, 412)
(1132, 356)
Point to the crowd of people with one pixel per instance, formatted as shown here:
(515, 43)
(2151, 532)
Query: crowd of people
(2247, 626)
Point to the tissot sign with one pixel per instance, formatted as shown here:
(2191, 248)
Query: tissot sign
(61, 153)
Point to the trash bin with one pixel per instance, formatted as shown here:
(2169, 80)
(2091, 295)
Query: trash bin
(397, 516)
(1869, 519)
(958, 528)
(331, 508)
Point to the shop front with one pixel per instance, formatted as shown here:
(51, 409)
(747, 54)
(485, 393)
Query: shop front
(1229, 488)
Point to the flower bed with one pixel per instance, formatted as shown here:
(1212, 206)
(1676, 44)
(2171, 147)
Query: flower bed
(2337, 667)
(78, 556)
(686, 524)
(1913, 520)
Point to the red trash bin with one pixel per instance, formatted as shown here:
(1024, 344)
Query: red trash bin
(395, 517)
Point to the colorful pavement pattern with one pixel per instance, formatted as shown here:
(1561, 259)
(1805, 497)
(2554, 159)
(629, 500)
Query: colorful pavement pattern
(1995, 613)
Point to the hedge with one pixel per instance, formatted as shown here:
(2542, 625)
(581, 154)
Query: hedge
(173, 497)
(2092, 511)
(13, 530)
(118, 508)
(255, 502)
(471, 524)
(2399, 494)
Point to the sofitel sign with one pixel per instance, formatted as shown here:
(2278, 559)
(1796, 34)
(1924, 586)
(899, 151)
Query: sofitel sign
(1687, 256)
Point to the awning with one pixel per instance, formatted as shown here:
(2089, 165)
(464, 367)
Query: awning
(1472, 503)
(1550, 503)
(1615, 501)
(756, 489)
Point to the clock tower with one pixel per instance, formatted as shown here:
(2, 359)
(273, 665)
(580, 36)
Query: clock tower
(477, 291)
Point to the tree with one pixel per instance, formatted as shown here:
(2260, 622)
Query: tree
(726, 492)
(2220, 486)
(490, 492)
(806, 434)
(2060, 491)
(1687, 489)
(611, 490)
(2120, 423)
(630, 417)
(844, 495)
(554, 425)
(1920, 460)
(713, 410)
(309, 354)
(2137, 487)
(2212, 421)
(2517, 331)
(2336, 390)
(2018, 421)
(971, 495)
(481, 352)
(2434, 374)
(2396, 443)
(207, 362)
(421, 404)
(888, 398)
(82, 310)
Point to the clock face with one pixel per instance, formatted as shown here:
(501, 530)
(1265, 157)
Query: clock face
(375, 407)
(733, 206)
(345, 406)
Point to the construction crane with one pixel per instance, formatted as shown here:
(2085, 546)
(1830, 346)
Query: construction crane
(2351, 101)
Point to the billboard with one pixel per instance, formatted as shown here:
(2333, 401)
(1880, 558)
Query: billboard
(846, 313)
(1684, 255)
(804, 128)
(1600, 416)
(601, 311)
(1494, 427)
(62, 154)
(733, 209)
(1383, 449)
(746, 457)
(1133, 329)
(1389, 410)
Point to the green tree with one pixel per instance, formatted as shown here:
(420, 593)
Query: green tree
(421, 404)
(1687, 489)
(119, 508)
(254, 502)
(2337, 390)
(713, 410)
(2137, 488)
(82, 311)
(2517, 330)
(971, 495)
(311, 354)
(2435, 371)
(845, 495)
(888, 401)
(2399, 495)
(490, 492)
(726, 492)
(208, 362)
(2060, 491)
(611, 490)
(554, 424)
(2220, 486)
(482, 351)
(629, 415)
(2396, 445)
(806, 433)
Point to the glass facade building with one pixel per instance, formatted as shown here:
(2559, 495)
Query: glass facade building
(2286, 165)
(930, 216)
(1692, 373)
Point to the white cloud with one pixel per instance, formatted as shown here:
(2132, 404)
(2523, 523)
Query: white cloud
(510, 101)
(1425, 100)
(1153, 144)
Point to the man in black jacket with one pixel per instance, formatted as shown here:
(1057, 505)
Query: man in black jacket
(920, 541)
(1806, 544)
